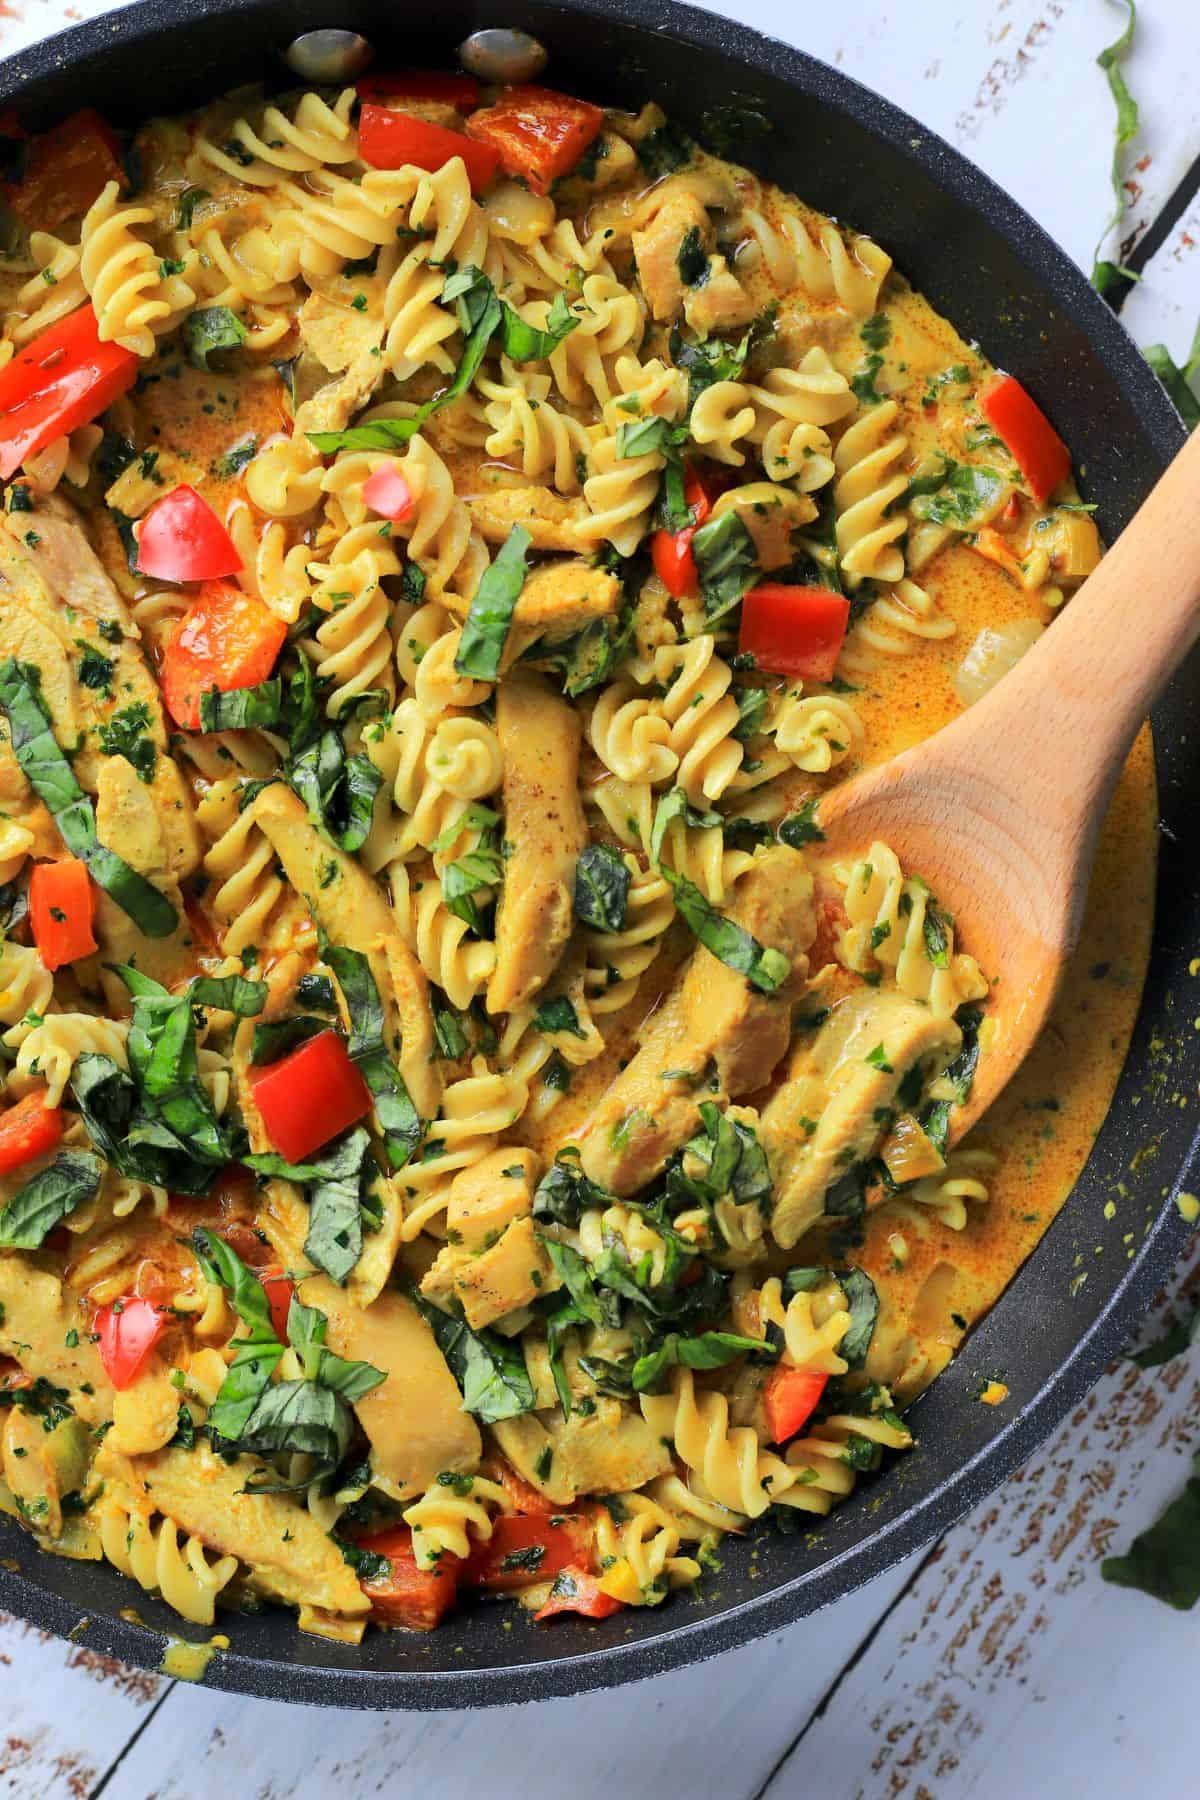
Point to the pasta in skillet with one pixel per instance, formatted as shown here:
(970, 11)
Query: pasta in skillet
(453, 1114)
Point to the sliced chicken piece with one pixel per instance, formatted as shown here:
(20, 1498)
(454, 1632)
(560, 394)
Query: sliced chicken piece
(129, 822)
(719, 302)
(415, 1419)
(48, 1331)
(350, 906)
(544, 825)
(337, 330)
(551, 521)
(333, 406)
(713, 1019)
(146, 1412)
(288, 1555)
(839, 1097)
(656, 250)
(608, 1451)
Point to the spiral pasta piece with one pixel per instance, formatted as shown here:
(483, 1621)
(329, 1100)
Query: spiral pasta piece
(815, 731)
(251, 901)
(26, 991)
(474, 1112)
(894, 924)
(163, 1561)
(729, 1460)
(617, 960)
(839, 266)
(606, 1228)
(631, 736)
(50, 1050)
(900, 620)
(525, 425)
(870, 482)
(621, 491)
(813, 1325)
(49, 295)
(639, 1557)
(452, 1516)
(316, 136)
(134, 300)
(703, 716)
(460, 964)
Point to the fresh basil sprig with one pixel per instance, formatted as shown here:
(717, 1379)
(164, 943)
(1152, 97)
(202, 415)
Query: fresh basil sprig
(485, 630)
(724, 938)
(524, 343)
(601, 888)
(53, 780)
(489, 1369)
(399, 1120)
(66, 1184)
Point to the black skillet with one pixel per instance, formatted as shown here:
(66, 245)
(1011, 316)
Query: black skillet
(985, 264)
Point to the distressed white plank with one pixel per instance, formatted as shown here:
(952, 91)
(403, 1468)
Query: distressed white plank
(1165, 306)
(67, 1713)
(714, 1729)
(1009, 1657)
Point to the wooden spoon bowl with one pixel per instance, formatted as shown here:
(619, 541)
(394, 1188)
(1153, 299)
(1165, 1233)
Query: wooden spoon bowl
(999, 811)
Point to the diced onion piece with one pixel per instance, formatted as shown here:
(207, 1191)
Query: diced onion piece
(995, 651)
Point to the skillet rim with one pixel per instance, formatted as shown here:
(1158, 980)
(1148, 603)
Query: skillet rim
(681, 1642)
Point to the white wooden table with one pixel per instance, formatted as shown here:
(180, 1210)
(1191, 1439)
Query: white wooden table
(998, 1664)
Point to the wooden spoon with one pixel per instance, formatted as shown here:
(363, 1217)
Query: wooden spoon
(999, 811)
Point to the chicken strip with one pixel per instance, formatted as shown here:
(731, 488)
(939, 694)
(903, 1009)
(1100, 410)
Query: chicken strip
(545, 829)
(713, 1019)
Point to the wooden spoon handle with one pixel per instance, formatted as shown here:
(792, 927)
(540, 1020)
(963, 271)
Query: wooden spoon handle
(1071, 708)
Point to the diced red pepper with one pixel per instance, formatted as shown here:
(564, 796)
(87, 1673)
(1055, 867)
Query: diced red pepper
(522, 1496)
(576, 1590)
(407, 1595)
(182, 539)
(794, 630)
(60, 911)
(539, 134)
(310, 1096)
(1037, 449)
(396, 140)
(127, 1331)
(671, 551)
(64, 379)
(451, 87)
(29, 1129)
(387, 493)
(525, 1549)
(789, 1400)
(66, 168)
(279, 1289)
(227, 639)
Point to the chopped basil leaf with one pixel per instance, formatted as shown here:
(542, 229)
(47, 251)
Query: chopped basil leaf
(801, 827)
(1164, 1560)
(490, 1370)
(256, 1354)
(52, 778)
(338, 791)
(125, 734)
(399, 1121)
(711, 1350)
(485, 631)
(229, 993)
(557, 1017)
(278, 1037)
(676, 805)
(210, 329)
(526, 343)
(726, 562)
(729, 942)
(242, 709)
(565, 1193)
(69, 1182)
(601, 888)
(186, 206)
(691, 259)
(1109, 60)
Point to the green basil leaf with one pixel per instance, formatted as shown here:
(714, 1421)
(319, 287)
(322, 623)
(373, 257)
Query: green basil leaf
(229, 993)
(556, 1016)
(752, 710)
(662, 151)
(481, 309)
(710, 1350)
(451, 1038)
(398, 1118)
(862, 1300)
(299, 1418)
(968, 495)
(185, 206)
(53, 780)
(242, 709)
(338, 791)
(1110, 60)
(278, 1037)
(352, 1380)
(1174, 1342)
(960, 1074)
(485, 631)
(801, 827)
(1176, 381)
(257, 1354)
(335, 1182)
(462, 880)
(676, 805)
(642, 437)
(729, 942)
(691, 259)
(1164, 1560)
(526, 343)
(490, 1370)
(210, 329)
(317, 992)
(601, 888)
(163, 1062)
(47, 1198)
(565, 1193)
(726, 562)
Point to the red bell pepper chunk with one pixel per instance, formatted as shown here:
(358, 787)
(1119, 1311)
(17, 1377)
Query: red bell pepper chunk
(226, 639)
(310, 1096)
(387, 493)
(66, 168)
(576, 1590)
(64, 379)
(789, 1401)
(29, 1129)
(539, 134)
(279, 1289)
(396, 140)
(407, 1595)
(182, 539)
(1039, 452)
(527, 1548)
(794, 630)
(127, 1331)
(671, 551)
(449, 86)
(60, 911)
